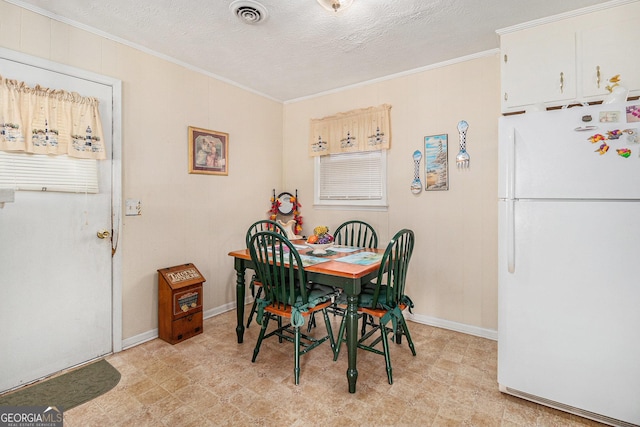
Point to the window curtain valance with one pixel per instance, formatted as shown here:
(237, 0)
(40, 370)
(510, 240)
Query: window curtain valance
(365, 129)
(46, 121)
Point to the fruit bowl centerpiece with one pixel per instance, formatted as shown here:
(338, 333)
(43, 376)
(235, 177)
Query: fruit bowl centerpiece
(320, 240)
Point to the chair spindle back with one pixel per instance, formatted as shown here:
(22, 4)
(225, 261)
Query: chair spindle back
(393, 270)
(356, 233)
(264, 225)
(276, 261)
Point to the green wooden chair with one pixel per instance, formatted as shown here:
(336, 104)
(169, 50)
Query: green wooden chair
(262, 225)
(361, 234)
(356, 233)
(288, 295)
(351, 233)
(386, 300)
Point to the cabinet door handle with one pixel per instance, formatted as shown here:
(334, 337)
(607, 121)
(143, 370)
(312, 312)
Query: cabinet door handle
(561, 82)
(598, 76)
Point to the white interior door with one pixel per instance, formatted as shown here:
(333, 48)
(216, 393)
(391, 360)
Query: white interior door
(56, 292)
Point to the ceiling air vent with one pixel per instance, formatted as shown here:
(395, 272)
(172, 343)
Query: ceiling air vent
(249, 11)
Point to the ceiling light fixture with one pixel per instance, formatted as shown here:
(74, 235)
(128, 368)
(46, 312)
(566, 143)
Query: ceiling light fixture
(335, 5)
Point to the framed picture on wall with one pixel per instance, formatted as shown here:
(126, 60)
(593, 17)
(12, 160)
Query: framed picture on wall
(208, 151)
(436, 164)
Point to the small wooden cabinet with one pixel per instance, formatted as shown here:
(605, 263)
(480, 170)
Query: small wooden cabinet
(179, 303)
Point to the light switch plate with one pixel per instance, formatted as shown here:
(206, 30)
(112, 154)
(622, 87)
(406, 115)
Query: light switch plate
(133, 207)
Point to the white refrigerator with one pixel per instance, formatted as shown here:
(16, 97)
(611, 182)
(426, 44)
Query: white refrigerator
(569, 260)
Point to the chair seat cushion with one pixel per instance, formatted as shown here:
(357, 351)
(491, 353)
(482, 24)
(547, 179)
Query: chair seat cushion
(318, 288)
(316, 291)
(365, 299)
(286, 311)
(317, 295)
(379, 312)
(318, 299)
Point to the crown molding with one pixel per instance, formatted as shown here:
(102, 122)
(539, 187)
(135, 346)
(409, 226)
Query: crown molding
(565, 15)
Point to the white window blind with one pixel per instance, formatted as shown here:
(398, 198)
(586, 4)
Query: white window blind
(357, 178)
(37, 172)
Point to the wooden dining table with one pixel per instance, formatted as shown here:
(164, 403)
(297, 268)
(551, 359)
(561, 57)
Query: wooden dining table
(345, 275)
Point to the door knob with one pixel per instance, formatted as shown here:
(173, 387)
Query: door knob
(103, 234)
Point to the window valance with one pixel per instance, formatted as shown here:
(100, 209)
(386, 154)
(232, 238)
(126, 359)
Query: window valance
(48, 121)
(365, 129)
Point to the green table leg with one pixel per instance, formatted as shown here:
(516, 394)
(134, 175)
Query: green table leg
(352, 341)
(240, 269)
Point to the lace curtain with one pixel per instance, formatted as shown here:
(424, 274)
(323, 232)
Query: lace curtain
(365, 129)
(40, 120)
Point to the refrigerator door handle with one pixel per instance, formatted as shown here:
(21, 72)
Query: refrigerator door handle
(511, 164)
(511, 237)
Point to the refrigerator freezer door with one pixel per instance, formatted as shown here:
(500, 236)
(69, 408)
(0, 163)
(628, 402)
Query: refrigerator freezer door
(541, 155)
(569, 313)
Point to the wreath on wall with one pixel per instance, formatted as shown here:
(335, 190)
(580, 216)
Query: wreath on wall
(275, 206)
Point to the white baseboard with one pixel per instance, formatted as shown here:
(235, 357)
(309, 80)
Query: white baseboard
(223, 308)
(454, 326)
(139, 339)
(153, 334)
(425, 320)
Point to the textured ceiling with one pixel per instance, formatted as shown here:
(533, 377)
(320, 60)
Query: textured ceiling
(301, 49)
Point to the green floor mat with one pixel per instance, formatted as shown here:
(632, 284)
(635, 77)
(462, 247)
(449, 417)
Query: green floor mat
(67, 390)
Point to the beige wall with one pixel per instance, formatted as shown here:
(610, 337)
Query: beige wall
(200, 218)
(453, 274)
(185, 218)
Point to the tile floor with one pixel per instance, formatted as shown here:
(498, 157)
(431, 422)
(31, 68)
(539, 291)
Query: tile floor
(209, 380)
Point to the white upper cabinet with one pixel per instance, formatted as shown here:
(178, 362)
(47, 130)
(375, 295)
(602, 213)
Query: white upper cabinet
(609, 50)
(538, 66)
(570, 59)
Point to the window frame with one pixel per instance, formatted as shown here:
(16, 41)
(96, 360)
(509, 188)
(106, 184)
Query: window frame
(380, 204)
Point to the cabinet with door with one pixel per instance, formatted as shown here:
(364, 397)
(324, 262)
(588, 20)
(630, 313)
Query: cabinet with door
(538, 65)
(570, 60)
(607, 50)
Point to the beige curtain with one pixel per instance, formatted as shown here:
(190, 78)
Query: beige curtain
(365, 129)
(47, 121)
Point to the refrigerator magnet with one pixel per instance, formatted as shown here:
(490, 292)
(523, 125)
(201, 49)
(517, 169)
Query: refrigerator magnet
(609, 116)
(614, 134)
(631, 136)
(585, 128)
(603, 149)
(624, 152)
(633, 113)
